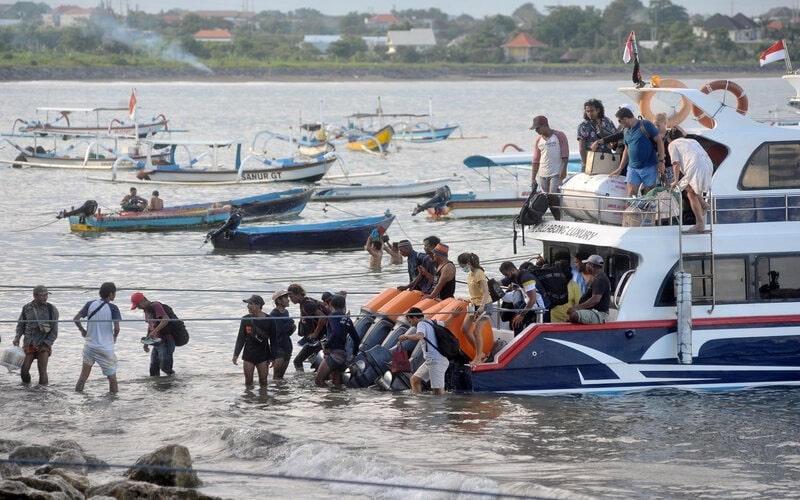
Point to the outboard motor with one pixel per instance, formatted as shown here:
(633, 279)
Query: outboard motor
(234, 219)
(88, 209)
(441, 197)
(368, 366)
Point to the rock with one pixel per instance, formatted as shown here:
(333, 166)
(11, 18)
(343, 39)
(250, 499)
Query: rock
(138, 489)
(158, 467)
(9, 469)
(77, 481)
(32, 452)
(7, 445)
(66, 444)
(63, 457)
(56, 486)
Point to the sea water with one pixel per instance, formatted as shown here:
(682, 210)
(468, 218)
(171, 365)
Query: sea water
(280, 442)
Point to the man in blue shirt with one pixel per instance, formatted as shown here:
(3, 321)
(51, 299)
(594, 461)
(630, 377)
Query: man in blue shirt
(643, 154)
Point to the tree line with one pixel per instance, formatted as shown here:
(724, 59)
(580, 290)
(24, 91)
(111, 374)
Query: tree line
(573, 34)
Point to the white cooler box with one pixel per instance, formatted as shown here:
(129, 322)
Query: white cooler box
(595, 198)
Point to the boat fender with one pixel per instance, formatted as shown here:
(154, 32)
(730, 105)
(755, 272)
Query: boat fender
(677, 117)
(88, 209)
(742, 101)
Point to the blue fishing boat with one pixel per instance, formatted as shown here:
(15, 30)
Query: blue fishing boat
(280, 204)
(348, 233)
(89, 219)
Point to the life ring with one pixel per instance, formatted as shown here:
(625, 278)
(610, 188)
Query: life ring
(678, 116)
(742, 102)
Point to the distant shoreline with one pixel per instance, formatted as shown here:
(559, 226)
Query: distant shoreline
(372, 74)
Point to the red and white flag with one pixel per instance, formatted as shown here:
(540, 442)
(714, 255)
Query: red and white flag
(132, 104)
(775, 53)
(627, 54)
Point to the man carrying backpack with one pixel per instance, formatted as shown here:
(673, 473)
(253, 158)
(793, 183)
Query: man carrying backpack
(435, 365)
(527, 283)
(158, 334)
(313, 319)
(643, 154)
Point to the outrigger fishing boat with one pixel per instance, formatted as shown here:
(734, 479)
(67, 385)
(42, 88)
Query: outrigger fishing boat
(338, 234)
(207, 168)
(372, 142)
(408, 189)
(90, 219)
(279, 204)
(94, 122)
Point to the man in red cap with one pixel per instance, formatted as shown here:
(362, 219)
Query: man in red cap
(162, 341)
(550, 155)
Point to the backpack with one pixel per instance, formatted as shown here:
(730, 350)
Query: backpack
(309, 323)
(176, 327)
(447, 344)
(496, 291)
(533, 209)
(552, 284)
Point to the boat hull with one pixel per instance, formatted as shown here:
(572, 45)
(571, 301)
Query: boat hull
(635, 356)
(310, 171)
(377, 142)
(423, 134)
(345, 234)
(399, 190)
(280, 204)
(75, 163)
(161, 220)
(492, 204)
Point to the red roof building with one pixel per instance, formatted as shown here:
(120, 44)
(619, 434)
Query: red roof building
(524, 48)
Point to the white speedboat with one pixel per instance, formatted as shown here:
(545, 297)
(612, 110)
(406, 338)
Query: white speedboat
(713, 311)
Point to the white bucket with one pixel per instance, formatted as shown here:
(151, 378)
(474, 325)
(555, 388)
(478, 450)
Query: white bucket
(12, 358)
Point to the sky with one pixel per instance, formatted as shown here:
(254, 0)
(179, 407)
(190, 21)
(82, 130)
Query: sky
(475, 8)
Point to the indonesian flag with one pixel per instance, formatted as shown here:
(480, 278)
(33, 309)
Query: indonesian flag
(627, 54)
(775, 53)
(132, 104)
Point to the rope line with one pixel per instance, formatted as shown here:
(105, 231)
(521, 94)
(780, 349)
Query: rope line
(267, 475)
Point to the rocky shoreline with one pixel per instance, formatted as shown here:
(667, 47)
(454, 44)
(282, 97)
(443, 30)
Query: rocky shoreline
(63, 470)
(373, 73)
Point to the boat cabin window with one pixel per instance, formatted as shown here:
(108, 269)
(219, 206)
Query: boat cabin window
(730, 279)
(617, 263)
(777, 278)
(772, 166)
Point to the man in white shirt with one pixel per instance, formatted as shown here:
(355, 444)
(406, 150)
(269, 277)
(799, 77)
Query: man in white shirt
(550, 155)
(102, 328)
(435, 365)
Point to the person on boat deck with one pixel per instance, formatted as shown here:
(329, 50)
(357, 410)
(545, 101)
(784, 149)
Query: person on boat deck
(660, 121)
(643, 154)
(444, 282)
(161, 359)
(256, 337)
(156, 203)
(102, 329)
(313, 318)
(689, 157)
(393, 249)
(38, 328)
(527, 283)
(435, 365)
(595, 124)
(133, 202)
(550, 155)
(593, 306)
(374, 247)
(413, 261)
(339, 327)
(480, 301)
(577, 264)
(558, 314)
(284, 328)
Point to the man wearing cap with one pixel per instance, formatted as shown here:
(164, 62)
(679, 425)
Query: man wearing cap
(413, 260)
(643, 154)
(256, 337)
(444, 281)
(161, 359)
(550, 155)
(102, 329)
(592, 309)
(38, 324)
(284, 328)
